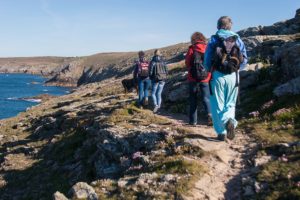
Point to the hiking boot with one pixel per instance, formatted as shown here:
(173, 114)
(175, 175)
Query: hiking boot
(209, 120)
(221, 137)
(230, 129)
(155, 109)
(140, 106)
(146, 102)
(193, 123)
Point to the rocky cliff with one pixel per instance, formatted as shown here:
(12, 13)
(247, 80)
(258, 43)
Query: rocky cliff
(82, 70)
(95, 143)
(46, 66)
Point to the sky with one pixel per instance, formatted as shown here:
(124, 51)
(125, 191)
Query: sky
(86, 27)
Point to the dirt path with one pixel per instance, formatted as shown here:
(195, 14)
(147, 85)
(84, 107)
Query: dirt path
(226, 163)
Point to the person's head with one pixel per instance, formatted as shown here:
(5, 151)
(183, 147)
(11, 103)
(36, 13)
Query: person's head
(141, 55)
(197, 36)
(224, 23)
(157, 52)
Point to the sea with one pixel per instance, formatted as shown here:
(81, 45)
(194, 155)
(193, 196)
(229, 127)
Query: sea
(15, 87)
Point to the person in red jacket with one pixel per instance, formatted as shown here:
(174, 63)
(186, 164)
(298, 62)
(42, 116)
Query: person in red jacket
(197, 87)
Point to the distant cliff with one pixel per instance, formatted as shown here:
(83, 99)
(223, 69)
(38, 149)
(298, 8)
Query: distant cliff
(81, 70)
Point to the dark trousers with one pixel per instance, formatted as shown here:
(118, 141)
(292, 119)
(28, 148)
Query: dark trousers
(198, 90)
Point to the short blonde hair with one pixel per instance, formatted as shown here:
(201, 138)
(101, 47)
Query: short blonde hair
(224, 22)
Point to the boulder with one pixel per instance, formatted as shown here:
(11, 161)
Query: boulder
(259, 161)
(59, 196)
(179, 93)
(289, 60)
(290, 26)
(292, 87)
(254, 67)
(82, 190)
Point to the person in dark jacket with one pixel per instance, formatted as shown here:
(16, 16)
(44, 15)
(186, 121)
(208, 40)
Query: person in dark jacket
(158, 75)
(197, 88)
(141, 75)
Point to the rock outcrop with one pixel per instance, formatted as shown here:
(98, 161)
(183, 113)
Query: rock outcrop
(287, 27)
(292, 87)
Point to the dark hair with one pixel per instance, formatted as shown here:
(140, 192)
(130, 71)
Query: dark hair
(141, 53)
(197, 36)
(224, 22)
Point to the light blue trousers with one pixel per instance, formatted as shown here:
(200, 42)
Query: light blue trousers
(223, 100)
(157, 88)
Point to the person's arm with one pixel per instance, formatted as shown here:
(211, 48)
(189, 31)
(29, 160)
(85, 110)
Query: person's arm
(188, 58)
(151, 69)
(244, 53)
(209, 53)
(135, 72)
(166, 67)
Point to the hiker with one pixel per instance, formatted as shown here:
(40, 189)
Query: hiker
(224, 56)
(141, 74)
(198, 77)
(158, 75)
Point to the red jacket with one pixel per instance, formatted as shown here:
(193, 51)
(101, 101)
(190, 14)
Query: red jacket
(200, 47)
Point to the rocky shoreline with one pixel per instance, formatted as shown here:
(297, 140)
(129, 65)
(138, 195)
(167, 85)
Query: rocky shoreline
(95, 143)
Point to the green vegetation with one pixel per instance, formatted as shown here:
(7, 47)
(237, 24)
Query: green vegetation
(130, 114)
(185, 173)
(281, 177)
(179, 107)
(278, 122)
(258, 58)
(176, 68)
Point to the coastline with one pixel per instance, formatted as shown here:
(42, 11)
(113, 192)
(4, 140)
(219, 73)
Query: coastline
(25, 92)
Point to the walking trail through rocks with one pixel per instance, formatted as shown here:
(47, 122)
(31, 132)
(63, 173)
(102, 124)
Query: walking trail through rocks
(228, 165)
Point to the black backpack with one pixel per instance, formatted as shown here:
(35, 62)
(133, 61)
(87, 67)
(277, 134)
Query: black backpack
(227, 56)
(198, 70)
(160, 71)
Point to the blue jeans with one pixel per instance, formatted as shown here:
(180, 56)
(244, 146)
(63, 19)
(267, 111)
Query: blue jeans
(223, 100)
(198, 89)
(157, 88)
(144, 85)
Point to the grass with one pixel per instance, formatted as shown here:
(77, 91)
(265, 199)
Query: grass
(190, 171)
(131, 115)
(186, 171)
(176, 68)
(279, 176)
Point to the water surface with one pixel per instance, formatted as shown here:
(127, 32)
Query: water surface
(14, 87)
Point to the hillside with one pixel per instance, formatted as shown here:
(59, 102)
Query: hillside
(47, 66)
(95, 143)
(82, 70)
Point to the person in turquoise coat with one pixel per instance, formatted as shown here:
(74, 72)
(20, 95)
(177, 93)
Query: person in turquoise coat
(224, 86)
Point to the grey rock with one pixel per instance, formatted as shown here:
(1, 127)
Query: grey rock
(82, 190)
(291, 87)
(248, 191)
(122, 183)
(254, 66)
(59, 196)
(247, 79)
(180, 92)
(281, 111)
(262, 160)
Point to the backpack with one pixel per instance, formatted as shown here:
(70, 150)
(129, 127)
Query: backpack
(143, 69)
(198, 70)
(227, 56)
(160, 71)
